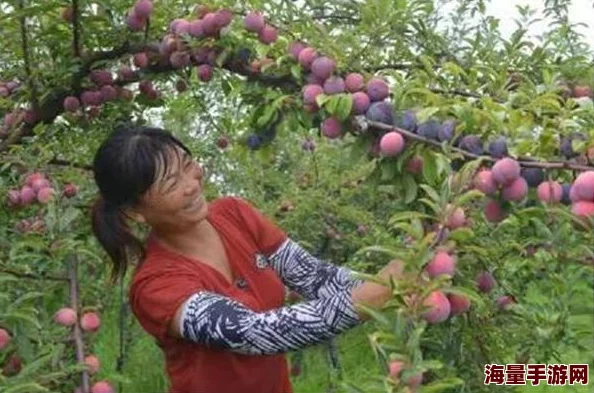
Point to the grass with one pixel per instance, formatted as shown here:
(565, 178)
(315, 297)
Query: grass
(143, 369)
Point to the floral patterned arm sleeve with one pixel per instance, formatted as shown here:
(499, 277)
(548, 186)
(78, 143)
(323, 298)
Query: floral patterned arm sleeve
(307, 275)
(217, 321)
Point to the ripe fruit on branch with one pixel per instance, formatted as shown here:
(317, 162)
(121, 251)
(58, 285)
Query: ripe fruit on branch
(307, 56)
(582, 91)
(415, 165)
(455, 217)
(471, 144)
(446, 130)
(311, 92)
(135, 22)
(485, 282)
(377, 89)
(101, 77)
(515, 191)
(45, 195)
(65, 316)
(391, 144)
(71, 104)
(549, 192)
(13, 198)
(323, 67)
(295, 49)
(204, 72)
(381, 112)
(334, 85)
(429, 129)
(254, 21)
(13, 365)
(583, 209)
(406, 120)
(504, 302)
(4, 338)
(354, 82)
(439, 307)
(143, 8)
(533, 176)
(108, 93)
(331, 128)
(360, 103)
(498, 147)
(92, 363)
(209, 25)
(27, 195)
(180, 27)
(70, 190)
(583, 187)
(459, 303)
(141, 60)
(395, 369)
(484, 182)
(442, 263)
(90, 322)
(566, 146)
(268, 35)
(505, 171)
(102, 387)
(493, 211)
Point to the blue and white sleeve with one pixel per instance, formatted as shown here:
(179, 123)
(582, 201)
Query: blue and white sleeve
(307, 275)
(220, 322)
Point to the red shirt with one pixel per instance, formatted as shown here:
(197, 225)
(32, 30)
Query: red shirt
(165, 279)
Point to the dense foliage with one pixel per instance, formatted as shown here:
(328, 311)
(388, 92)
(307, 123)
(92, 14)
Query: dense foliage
(367, 130)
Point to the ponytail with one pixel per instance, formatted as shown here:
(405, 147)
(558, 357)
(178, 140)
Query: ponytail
(113, 233)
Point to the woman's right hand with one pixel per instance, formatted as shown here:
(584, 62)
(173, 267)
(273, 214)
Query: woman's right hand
(374, 295)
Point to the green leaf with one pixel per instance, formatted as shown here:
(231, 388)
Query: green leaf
(31, 368)
(410, 188)
(441, 385)
(389, 170)
(345, 106)
(30, 387)
(70, 215)
(378, 249)
(23, 298)
(430, 169)
(321, 99)
(405, 216)
(425, 114)
(16, 315)
(378, 316)
(431, 193)
(296, 71)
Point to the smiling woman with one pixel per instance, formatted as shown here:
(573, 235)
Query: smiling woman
(212, 276)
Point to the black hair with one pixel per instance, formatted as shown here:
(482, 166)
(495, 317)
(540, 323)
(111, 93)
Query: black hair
(125, 166)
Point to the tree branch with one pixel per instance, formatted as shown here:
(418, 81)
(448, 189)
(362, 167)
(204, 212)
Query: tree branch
(74, 303)
(59, 162)
(32, 276)
(26, 60)
(75, 29)
(523, 163)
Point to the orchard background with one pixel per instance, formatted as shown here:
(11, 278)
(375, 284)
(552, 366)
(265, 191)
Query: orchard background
(366, 129)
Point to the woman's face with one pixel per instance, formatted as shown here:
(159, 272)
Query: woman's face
(175, 200)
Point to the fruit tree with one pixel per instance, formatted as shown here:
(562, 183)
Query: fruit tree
(368, 130)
